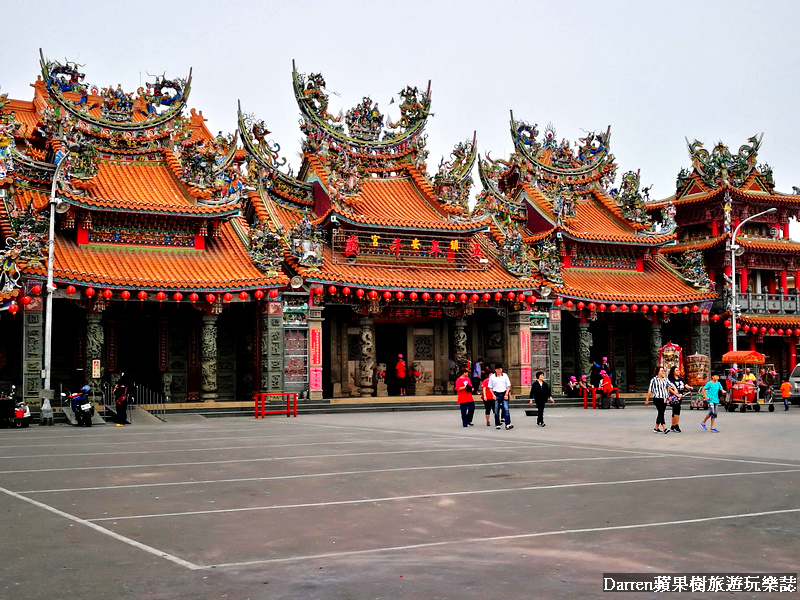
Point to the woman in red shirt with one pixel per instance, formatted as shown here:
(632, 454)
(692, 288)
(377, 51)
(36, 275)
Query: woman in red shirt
(465, 400)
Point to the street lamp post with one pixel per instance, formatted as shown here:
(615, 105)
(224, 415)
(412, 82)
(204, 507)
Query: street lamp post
(734, 248)
(47, 392)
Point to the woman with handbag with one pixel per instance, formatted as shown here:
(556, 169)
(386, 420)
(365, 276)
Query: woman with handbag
(659, 389)
(464, 396)
(540, 392)
(675, 400)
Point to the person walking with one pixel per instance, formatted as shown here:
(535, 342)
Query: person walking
(486, 394)
(786, 392)
(500, 386)
(711, 391)
(679, 384)
(658, 390)
(477, 371)
(466, 402)
(540, 392)
(121, 402)
(400, 374)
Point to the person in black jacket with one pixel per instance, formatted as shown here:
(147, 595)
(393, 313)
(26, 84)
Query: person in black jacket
(540, 392)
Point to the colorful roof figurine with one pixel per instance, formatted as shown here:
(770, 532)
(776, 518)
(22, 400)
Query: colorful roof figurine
(363, 211)
(556, 213)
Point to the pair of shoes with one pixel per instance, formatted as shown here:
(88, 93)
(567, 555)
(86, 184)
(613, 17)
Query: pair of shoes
(715, 430)
(703, 425)
(666, 430)
(498, 427)
(466, 425)
(509, 426)
(678, 429)
(544, 424)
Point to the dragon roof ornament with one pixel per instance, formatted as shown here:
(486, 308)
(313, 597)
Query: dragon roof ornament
(720, 167)
(364, 123)
(157, 102)
(591, 159)
(453, 181)
(630, 200)
(492, 198)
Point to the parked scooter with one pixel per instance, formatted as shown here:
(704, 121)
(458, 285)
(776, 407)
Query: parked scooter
(22, 412)
(81, 407)
(13, 411)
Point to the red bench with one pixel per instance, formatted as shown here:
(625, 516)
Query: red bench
(594, 391)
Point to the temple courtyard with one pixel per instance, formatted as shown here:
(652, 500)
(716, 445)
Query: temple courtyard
(394, 505)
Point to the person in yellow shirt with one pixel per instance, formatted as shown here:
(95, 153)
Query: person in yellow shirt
(786, 392)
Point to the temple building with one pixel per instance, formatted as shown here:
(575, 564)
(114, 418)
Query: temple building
(396, 264)
(712, 201)
(616, 297)
(151, 269)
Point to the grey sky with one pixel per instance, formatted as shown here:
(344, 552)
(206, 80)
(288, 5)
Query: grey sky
(657, 72)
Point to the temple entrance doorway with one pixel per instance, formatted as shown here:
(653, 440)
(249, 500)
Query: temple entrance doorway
(137, 352)
(391, 340)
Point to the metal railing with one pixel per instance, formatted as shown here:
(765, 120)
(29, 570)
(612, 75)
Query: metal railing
(767, 303)
(152, 402)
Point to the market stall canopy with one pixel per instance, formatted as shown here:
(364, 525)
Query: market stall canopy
(750, 357)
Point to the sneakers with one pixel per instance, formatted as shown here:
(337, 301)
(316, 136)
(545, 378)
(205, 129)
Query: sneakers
(703, 425)
(471, 424)
(498, 427)
(509, 426)
(675, 428)
(666, 431)
(715, 430)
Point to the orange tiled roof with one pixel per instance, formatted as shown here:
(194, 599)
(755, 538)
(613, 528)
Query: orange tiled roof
(774, 321)
(695, 244)
(142, 186)
(223, 265)
(656, 284)
(25, 113)
(768, 244)
(702, 194)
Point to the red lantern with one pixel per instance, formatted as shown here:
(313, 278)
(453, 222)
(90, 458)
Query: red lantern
(704, 311)
(462, 297)
(634, 307)
(141, 296)
(227, 296)
(426, 296)
(319, 290)
(665, 309)
(473, 298)
(592, 306)
(194, 297)
(413, 296)
(771, 331)
(581, 305)
(210, 298)
(569, 304)
(387, 295)
(675, 310)
(486, 296)
(624, 308)
(360, 293)
(71, 289)
(780, 331)
(521, 297)
(645, 308)
(258, 294)
(499, 296)
(531, 299)
(13, 308)
(602, 307)
(612, 308)
(451, 297)
(373, 294)
(125, 294)
(685, 309)
(273, 293)
(511, 295)
(89, 292)
(26, 300)
(243, 296)
(107, 294)
(695, 308)
(345, 291)
(654, 308)
(727, 323)
(177, 296)
(558, 301)
(438, 297)
(746, 328)
(715, 318)
(399, 295)
(763, 330)
(332, 290)
(161, 296)
(738, 326)
(797, 332)
(36, 290)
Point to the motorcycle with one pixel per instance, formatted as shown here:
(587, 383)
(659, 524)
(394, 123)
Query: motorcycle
(14, 412)
(81, 407)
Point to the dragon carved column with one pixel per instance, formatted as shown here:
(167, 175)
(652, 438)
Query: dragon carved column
(366, 366)
(95, 338)
(584, 348)
(208, 358)
(460, 342)
(655, 344)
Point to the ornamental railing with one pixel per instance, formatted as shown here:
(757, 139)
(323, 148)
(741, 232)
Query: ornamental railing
(784, 304)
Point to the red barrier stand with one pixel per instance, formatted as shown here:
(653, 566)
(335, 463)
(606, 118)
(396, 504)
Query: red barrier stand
(261, 404)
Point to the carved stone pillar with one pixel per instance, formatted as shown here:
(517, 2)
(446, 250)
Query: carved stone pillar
(95, 337)
(584, 348)
(556, 374)
(655, 345)
(208, 358)
(519, 350)
(32, 349)
(272, 347)
(366, 365)
(460, 342)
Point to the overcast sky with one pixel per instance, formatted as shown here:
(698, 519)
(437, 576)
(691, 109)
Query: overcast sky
(656, 72)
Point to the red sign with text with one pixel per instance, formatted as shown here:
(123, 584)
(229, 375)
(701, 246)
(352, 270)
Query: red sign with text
(316, 347)
(316, 378)
(525, 347)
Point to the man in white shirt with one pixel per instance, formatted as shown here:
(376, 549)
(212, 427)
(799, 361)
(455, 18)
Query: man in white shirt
(500, 385)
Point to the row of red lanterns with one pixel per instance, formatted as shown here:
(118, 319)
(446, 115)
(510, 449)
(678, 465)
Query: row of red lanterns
(762, 330)
(580, 305)
(160, 296)
(425, 296)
